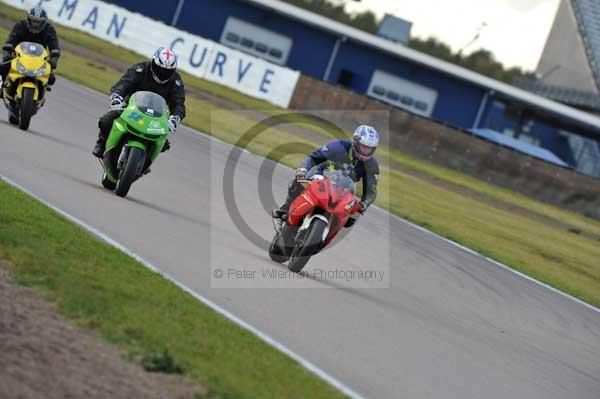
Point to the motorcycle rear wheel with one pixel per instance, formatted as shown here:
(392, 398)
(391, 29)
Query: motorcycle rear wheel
(311, 245)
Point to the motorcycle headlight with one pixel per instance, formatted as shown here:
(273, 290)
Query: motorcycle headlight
(21, 68)
(34, 74)
(40, 72)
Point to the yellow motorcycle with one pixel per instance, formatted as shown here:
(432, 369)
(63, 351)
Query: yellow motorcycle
(26, 84)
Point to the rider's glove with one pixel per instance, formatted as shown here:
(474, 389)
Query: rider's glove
(6, 56)
(301, 173)
(7, 52)
(54, 54)
(116, 102)
(363, 208)
(174, 121)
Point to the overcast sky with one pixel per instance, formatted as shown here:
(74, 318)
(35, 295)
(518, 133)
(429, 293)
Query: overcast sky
(516, 30)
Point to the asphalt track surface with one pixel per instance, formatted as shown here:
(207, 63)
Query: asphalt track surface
(449, 324)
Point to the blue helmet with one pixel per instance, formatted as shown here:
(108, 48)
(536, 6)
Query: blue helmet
(364, 142)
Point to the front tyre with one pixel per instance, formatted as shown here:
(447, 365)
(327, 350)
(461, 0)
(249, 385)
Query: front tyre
(26, 111)
(130, 171)
(311, 245)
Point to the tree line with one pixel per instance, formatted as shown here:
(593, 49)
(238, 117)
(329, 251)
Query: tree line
(481, 61)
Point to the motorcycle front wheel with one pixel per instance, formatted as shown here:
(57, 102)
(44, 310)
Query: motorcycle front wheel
(311, 245)
(26, 111)
(130, 171)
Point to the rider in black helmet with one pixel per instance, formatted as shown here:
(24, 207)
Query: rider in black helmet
(37, 29)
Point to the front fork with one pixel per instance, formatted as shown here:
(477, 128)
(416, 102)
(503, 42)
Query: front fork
(294, 235)
(123, 158)
(114, 174)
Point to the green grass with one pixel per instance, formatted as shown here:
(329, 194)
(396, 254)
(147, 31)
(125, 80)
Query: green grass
(544, 251)
(166, 329)
(106, 291)
(80, 73)
(504, 196)
(564, 260)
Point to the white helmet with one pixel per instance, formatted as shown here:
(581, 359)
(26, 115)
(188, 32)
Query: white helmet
(364, 142)
(164, 64)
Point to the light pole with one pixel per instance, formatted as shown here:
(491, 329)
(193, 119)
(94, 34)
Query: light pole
(475, 38)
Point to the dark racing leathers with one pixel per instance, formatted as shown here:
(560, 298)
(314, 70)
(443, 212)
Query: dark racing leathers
(47, 37)
(139, 78)
(339, 152)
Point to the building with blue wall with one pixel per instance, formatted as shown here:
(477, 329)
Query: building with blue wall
(382, 69)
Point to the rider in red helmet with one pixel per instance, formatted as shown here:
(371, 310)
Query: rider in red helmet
(158, 75)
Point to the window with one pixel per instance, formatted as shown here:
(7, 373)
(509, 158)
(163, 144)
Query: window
(421, 106)
(261, 48)
(275, 53)
(256, 40)
(402, 93)
(232, 37)
(407, 101)
(380, 91)
(247, 43)
(392, 95)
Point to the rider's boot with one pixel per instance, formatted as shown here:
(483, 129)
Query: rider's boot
(280, 212)
(294, 190)
(98, 151)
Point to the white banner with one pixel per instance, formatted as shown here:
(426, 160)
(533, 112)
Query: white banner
(198, 56)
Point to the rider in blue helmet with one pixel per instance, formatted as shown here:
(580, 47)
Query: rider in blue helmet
(355, 158)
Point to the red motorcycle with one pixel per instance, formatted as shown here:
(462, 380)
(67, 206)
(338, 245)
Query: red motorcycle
(314, 218)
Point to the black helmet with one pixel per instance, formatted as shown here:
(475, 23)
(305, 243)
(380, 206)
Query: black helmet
(36, 19)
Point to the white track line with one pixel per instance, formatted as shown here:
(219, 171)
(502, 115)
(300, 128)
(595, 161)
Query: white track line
(495, 262)
(416, 226)
(261, 335)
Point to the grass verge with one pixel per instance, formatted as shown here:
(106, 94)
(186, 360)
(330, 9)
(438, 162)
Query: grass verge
(106, 291)
(554, 255)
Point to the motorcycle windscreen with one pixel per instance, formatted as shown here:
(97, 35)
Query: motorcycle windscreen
(339, 183)
(32, 49)
(150, 103)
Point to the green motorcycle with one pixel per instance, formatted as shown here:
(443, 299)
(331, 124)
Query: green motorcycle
(135, 140)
